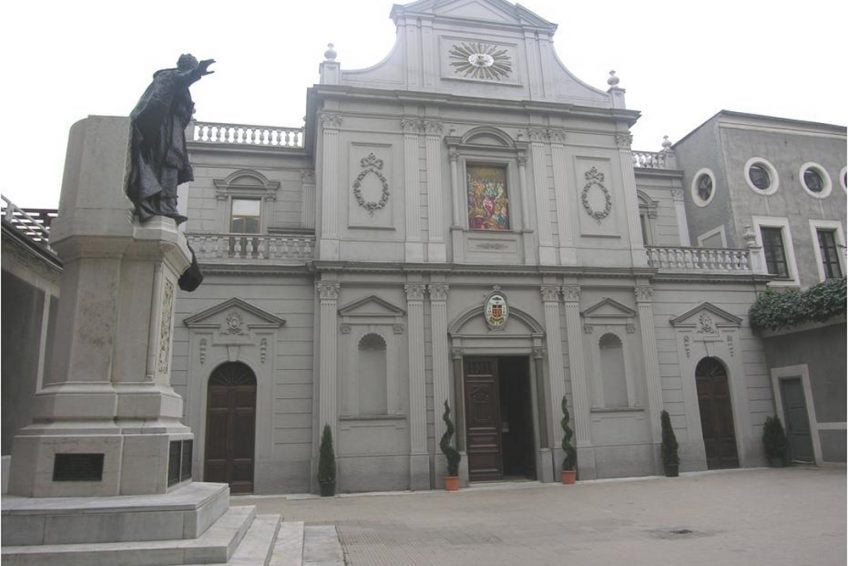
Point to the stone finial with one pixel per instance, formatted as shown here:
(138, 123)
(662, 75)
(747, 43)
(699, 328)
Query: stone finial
(666, 144)
(330, 54)
(612, 80)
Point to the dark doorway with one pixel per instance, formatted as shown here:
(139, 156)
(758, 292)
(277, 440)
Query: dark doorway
(797, 421)
(498, 418)
(716, 414)
(231, 427)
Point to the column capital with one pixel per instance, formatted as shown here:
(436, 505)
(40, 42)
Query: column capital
(644, 293)
(414, 291)
(624, 141)
(539, 353)
(411, 125)
(538, 135)
(550, 293)
(432, 127)
(438, 291)
(557, 135)
(571, 293)
(330, 121)
(522, 159)
(456, 353)
(677, 195)
(328, 290)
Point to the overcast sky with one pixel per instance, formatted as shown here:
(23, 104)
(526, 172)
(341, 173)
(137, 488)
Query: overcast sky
(680, 62)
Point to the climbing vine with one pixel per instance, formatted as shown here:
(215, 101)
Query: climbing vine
(775, 309)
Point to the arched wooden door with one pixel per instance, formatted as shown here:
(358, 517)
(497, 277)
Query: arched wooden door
(716, 414)
(231, 427)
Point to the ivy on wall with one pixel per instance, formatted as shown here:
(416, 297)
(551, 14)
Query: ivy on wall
(775, 309)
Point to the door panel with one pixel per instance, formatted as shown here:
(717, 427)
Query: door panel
(716, 414)
(482, 420)
(797, 421)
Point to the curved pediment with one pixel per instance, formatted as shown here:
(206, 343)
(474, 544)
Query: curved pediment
(472, 322)
(487, 135)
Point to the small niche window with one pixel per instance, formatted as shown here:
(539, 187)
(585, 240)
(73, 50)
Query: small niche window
(815, 180)
(761, 176)
(372, 375)
(613, 374)
(488, 201)
(244, 218)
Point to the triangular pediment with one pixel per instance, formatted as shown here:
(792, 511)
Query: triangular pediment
(234, 311)
(705, 316)
(371, 306)
(609, 308)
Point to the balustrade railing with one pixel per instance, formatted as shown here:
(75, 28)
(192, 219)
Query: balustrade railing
(240, 134)
(286, 248)
(34, 224)
(702, 260)
(651, 159)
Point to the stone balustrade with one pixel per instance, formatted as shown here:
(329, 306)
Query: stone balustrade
(699, 260)
(291, 248)
(240, 134)
(32, 223)
(652, 159)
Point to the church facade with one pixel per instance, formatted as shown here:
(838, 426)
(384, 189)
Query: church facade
(464, 222)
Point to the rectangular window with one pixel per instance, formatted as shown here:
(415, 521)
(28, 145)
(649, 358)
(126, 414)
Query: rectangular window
(774, 251)
(829, 254)
(488, 204)
(245, 216)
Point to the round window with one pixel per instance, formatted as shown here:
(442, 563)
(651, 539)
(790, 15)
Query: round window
(761, 176)
(815, 180)
(703, 187)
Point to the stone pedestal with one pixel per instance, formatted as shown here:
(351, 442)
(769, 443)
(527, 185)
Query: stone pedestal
(104, 422)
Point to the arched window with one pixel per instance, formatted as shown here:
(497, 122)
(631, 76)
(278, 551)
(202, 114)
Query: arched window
(613, 375)
(372, 375)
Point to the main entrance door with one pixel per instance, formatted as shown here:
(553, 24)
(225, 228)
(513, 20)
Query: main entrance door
(716, 414)
(498, 418)
(230, 427)
(797, 421)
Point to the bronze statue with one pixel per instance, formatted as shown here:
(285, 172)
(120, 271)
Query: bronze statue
(159, 156)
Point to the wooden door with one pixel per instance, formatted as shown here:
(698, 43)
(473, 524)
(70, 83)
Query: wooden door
(231, 427)
(797, 421)
(482, 419)
(716, 414)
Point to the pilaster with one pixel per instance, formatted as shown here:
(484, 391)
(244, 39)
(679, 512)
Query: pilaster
(680, 214)
(441, 365)
(567, 251)
(414, 250)
(419, 460)
(328, 293)
(644, 305)
(579, 386)
(556, 373)
(547, 252)
(328, 247)
(433, 141)
(631, 201)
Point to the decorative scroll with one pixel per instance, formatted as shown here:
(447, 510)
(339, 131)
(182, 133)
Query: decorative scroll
(595, 178)
(488, 204)
(374, 166)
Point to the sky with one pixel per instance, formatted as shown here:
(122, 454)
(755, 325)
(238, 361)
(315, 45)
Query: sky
(680, 63)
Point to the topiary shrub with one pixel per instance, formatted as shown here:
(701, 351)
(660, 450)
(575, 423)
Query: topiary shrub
(569, 460)
(774, 441)
(671, 461)
(775, 309)
(327, 463)
(449, 451)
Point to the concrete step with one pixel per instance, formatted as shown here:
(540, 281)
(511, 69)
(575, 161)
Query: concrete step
(321, 546)
(215, 546)
(288, 551)
(258, 544)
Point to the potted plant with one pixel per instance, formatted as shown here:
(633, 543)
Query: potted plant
(327, 464)
(671, 461)
(774, 440)
(569, 460)
(453, 457)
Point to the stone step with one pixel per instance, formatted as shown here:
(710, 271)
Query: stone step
(288, 551)
(258, 544)
(215, 546)
(321, 546)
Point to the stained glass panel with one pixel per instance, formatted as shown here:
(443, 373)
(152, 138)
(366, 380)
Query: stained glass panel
(488, 204)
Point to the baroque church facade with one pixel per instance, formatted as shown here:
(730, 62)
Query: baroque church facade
(464, 222)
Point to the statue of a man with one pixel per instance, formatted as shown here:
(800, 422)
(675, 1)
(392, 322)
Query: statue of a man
(159, 155)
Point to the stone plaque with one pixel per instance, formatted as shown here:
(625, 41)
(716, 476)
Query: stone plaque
(78, 467)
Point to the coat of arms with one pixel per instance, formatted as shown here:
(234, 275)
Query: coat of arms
(496, 311)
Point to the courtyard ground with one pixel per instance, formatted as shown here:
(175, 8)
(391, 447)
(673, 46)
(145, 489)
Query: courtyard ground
(792, 516)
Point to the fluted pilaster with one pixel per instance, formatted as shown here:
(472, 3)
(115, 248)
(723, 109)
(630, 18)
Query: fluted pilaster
(547, 254)
(412, 212)
(329, 244)
(328, 293)
(645, 308)
(433, 143)
(441, 359)
(556, 373)
(577, 363)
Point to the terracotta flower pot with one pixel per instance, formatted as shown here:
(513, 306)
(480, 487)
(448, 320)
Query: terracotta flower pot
(569, 476)
(452, 483)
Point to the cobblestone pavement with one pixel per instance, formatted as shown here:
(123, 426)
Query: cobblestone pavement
(790, 516)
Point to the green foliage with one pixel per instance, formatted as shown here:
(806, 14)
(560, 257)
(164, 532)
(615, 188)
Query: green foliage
(669, 443)
(445, 444)
(774, 438)
(569, 461)
(326, 458)
(775, 309)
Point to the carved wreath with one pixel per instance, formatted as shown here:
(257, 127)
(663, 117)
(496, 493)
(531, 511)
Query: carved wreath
(373, 165)
(596, 178)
